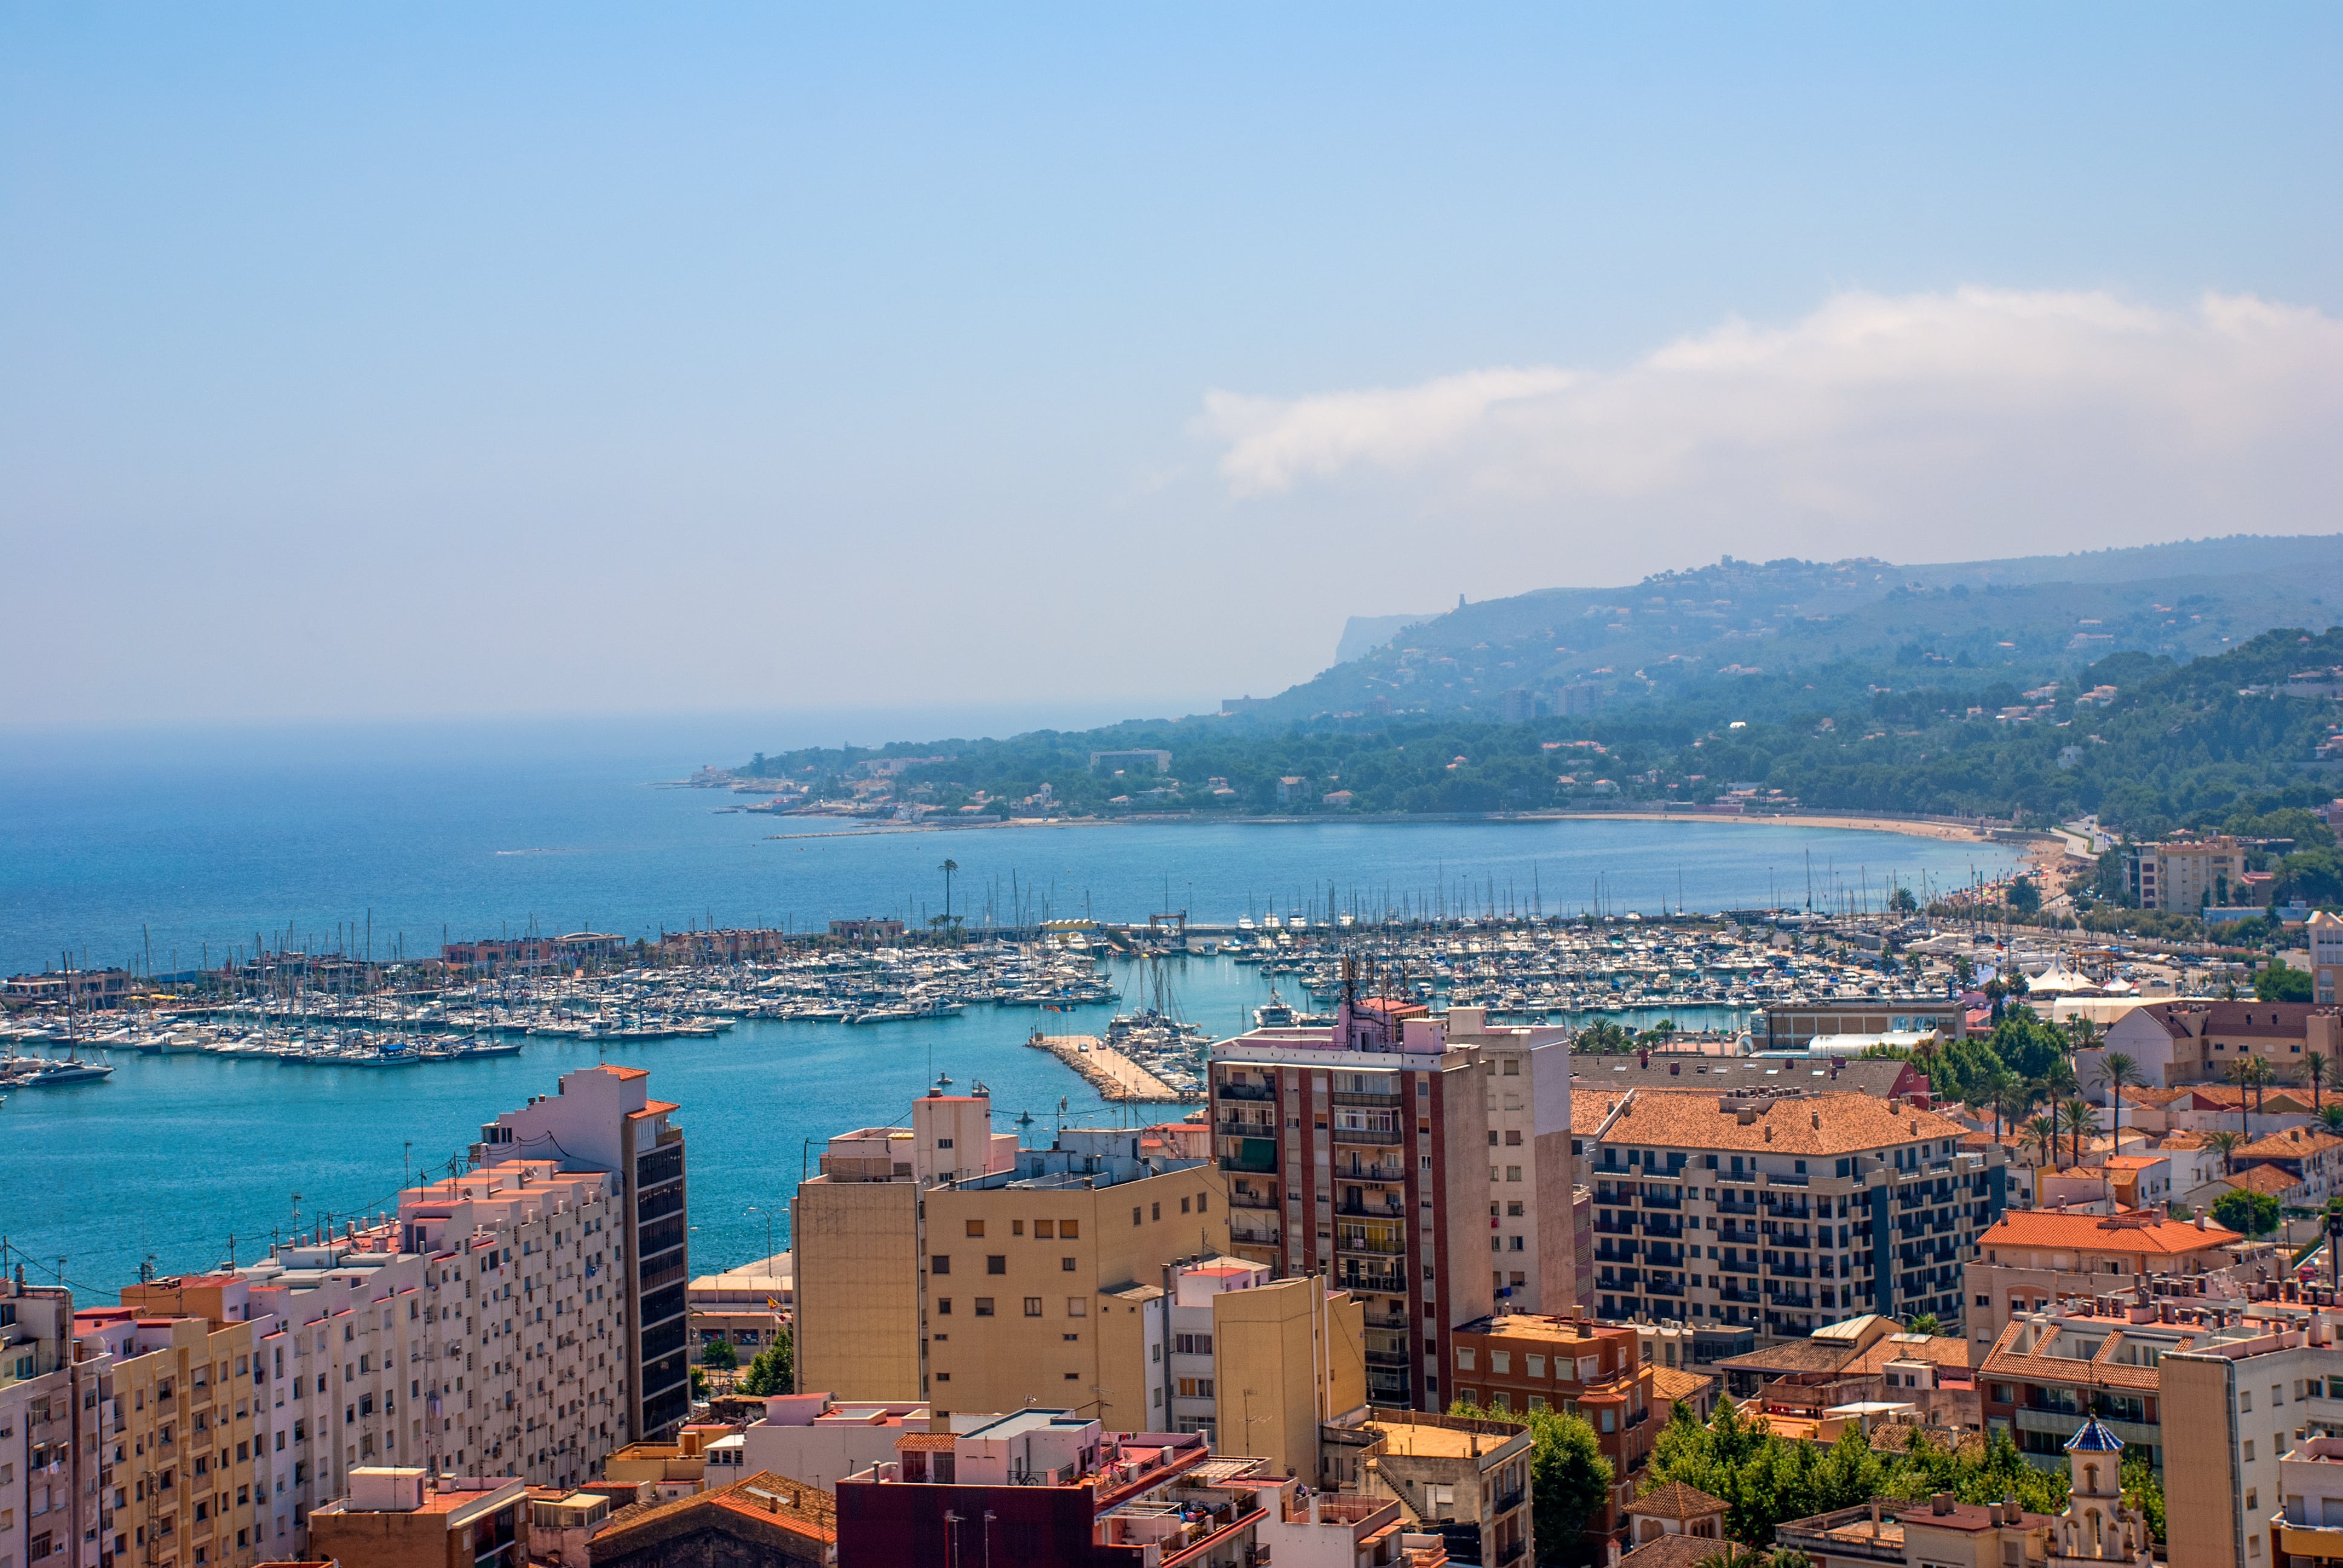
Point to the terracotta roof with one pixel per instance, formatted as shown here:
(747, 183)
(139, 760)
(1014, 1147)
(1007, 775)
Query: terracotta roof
(1677, 1500)
(2265, 1178)
(1791, 1356)
(1938, 1349)
(2104, 1233)
(1812, 1125)
(616, 1071)
(764, 1503)
(2290, 1144)
(924, 1443)
(2276, 1101)
(2137, 1162)
(1674, 1552)
(2279, 1020)
(1670, 1384)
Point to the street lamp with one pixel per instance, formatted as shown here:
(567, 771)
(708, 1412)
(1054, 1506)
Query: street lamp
(767, 1214)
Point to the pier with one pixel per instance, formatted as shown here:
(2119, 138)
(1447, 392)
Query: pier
(1116, 1078)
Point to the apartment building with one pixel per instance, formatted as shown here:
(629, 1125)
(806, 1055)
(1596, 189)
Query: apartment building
(1527, 1075)
(1778, 1211)
(2184, 872)
(2032, 1259)
(182, 1464)
(400, 1517)
(1356, 1152)
(942, 1262)
(1463, 1476)
(2244, 1394)
(1578, 1366)
(2195, 1042)
(602, 1118)
(1053, 1489)
(2322, 933)
(51, 1511)
(1254, 1363)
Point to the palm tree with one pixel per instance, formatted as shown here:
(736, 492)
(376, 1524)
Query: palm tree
(2250, 1072)
(2119, 1071)
(2081, 1117)
(2082, 1034)
(2333, 1117)
(2315, 1070)
(2002, 1088)
(2042, 1131)
(2227, 1142)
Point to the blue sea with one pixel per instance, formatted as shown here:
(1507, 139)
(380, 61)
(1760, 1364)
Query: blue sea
(168, 850)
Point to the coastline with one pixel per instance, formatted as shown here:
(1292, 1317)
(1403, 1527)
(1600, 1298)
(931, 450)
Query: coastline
(1948, 832)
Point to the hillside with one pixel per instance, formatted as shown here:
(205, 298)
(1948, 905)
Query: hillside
(2171, 744)
(2030, 619)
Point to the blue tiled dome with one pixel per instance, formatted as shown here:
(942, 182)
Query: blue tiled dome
(2093, 1437)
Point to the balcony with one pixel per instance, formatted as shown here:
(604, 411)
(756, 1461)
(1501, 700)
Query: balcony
(1390, 1359)
(1508, 1502)
(1800, 1303)
(1353, 1096)
(1252, 1238)
(1251, 1201)
(1653, 1201)
(1726, 1203)
(1388, 1175)
(1654, 1288)
(1242, 1091)
(1730, 1267)
(1389, 1247)
(1389, 1137)
(1748, 1293)
(1791, 1270)
(1664, 1229)
(1390, 1283)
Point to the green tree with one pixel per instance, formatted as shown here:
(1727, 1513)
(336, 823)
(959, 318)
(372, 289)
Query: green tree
(2282, 982)
(2081, 1119)
(2024, 897)
(1924, 1323)
(2228, 1144)
(2248, 1213)
(2143, 1489)
(2119, 1072)
(1569, 1481)
(719, 1355)
(774, 1370)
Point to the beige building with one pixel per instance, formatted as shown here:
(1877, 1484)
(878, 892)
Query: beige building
(2195, 1042)
(1444, 1470)
(942, 1262)
(2322, 934)
(50, 1469)
(2185, 873)
(1284, 1356)
(185, 1466)
(2034, 1258)
(398, 1517)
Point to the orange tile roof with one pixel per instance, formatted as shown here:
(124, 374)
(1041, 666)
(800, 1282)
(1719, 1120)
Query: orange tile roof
(616, 1071)
(1676, 1500)
(2104, 1233)
(1814, 1124)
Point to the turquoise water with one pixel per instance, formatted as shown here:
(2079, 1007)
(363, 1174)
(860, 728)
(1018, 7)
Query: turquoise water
(118, 851)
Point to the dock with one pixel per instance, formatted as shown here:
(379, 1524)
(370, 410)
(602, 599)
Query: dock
(1118, 1078)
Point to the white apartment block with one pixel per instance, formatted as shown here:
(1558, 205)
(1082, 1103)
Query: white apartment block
(48, 1487)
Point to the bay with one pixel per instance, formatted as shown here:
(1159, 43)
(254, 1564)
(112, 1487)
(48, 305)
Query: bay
(185, 847)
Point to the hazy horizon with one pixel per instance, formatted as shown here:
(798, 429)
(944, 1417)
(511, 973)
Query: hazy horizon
(376, 366)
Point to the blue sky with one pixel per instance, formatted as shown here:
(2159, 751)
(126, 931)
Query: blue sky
(414, 360)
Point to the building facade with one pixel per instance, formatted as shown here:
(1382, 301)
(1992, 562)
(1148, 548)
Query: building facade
(1356, 1152)
(602, 1118)
(941, 1261)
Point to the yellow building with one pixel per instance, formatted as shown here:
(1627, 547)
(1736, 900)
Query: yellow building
(1287, 1355)
(942, 1262)
(183, 1435)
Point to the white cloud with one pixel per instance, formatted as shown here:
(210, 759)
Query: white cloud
(2001, 412)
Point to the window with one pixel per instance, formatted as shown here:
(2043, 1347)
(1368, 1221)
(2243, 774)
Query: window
(997, 1263)
(1042, 1230)
(1066, 1265)
(1536, 1365)
(984, 1306)
(1184, 1205)
(1069, 1230)
(1513, 1172)
(1464, 1358)
(2249, 1451)
(1501, 1361)
(944, 1306)
(1016, 1227)
(1513, 1208)
(1077, 1307)
(1512, 1067)
(976, 1227)
(1155, 1211)
(940, 1264)
(1032, 1306)
(1135, 1208)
